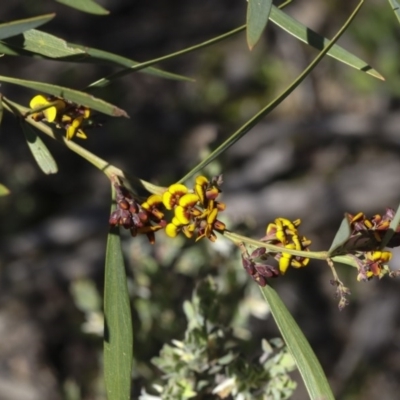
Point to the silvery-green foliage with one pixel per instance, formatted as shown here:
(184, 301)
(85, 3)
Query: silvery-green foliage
(206, 363)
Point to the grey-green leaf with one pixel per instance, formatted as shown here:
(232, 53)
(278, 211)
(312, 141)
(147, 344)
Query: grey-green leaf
(1, 108)
(75, 96)
(118, 332)
(257, 17)
(14, 28)
(39, 150)
(39, 44)
(88, 6)
(341, 237)
(3, 190)
(309, 367)
(394, 224)
(317, 41)
(396, 8)
(42, 43)
(96, 55)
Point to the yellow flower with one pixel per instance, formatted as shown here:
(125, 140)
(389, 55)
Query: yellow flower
(63, 114)
(73, 125)
(49, 113)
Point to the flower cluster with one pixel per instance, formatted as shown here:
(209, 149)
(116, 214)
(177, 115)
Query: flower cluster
(283, 233)
(143, 218)
(365, 243)
(64, 114)
(255, 265)
(195, 211)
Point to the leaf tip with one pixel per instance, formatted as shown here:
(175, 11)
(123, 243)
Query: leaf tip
(119, 112)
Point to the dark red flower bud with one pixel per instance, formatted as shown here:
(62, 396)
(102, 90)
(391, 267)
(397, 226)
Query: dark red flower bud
(124, 204)
(248, 265)
(268, 271)
(258, 252)
(114, 218)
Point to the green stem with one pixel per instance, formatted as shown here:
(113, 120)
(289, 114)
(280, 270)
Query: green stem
(237, 239)
(106, 80)
(272, 105)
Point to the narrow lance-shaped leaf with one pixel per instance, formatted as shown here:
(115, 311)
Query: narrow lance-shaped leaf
(108, 79)
(272, 105)
(88, 6)
(3, 190)
(309, 367)
(257, 17)
(75, 96)
(1, 108)
(341, 237)
(312, 38)
(13, 28)
(394, 224)
(396, 8)
(39, 150)
(118, 332)
(35, 42)
(39, 44)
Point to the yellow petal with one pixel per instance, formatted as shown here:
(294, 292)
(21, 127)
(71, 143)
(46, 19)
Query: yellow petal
(50, 114)
(154, 199)
(182, 215)
(71, 132)
(178, 188)
(38, 101)
(168, 200)
(80, 134)
(188, 200)
(171, 230)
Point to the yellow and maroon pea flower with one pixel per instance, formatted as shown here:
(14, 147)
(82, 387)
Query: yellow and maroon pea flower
(374, 264)
(186, 208)
(195, 211)
(50, 113)
(171, 197)
(64, 114)
(153, 205)
(373, 229)
(208, 190)
(283, 232)
(209, 223)
(73, 120)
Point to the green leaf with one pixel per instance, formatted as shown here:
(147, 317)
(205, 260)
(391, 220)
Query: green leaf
(272, 105)
(107, 80)
(394, 224)
(1, 108)
(118, 332)
(39, 150)
(13, 28)
(115, 59)
(3, 190)
(345, 260)
(396, 8)
(257, 17)
(312, 38)
(42, 43)
(75, 96)
(39, 44)
(88, 6)
(341, 237)
(309, 367)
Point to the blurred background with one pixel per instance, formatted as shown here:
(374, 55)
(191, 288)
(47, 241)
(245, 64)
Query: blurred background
(332, 147)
